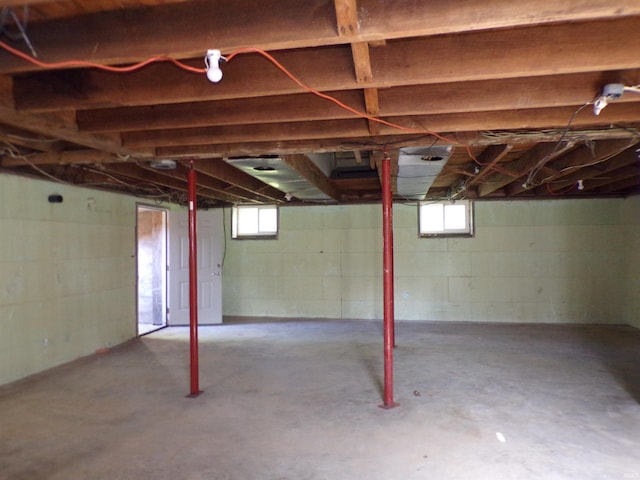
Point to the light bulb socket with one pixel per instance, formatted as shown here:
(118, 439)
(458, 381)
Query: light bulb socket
(212, 62)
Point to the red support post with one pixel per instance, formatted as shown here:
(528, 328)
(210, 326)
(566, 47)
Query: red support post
(387, 232)
(193, 285)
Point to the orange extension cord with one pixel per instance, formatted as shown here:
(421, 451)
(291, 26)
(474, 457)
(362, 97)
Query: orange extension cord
(188, 68)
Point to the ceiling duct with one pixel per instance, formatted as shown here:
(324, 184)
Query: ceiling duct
(418, 167)
(324, 161)
(274, 171)
(164, 164)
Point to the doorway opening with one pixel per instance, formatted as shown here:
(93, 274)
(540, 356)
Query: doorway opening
(151, 235)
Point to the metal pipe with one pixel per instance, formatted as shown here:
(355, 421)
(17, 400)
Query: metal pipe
(193, 285)
(387, 233)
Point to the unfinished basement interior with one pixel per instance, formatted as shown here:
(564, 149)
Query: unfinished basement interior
(313, 240)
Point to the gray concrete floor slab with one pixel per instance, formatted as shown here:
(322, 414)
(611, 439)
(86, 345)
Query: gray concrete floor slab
(299, 400)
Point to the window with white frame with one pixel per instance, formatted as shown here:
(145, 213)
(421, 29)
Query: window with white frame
(254, 221)
(446, 218)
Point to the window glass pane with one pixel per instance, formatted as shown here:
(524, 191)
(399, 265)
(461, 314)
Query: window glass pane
(455, 217)
(247, 221)
(431, 218)
(268, 220)
(446, 218)
(254, 221)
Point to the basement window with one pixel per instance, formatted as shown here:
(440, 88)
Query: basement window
(437, 219)
(254, 221)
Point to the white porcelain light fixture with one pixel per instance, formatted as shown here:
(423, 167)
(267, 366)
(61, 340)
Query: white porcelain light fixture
(212, 62)
(611, 92)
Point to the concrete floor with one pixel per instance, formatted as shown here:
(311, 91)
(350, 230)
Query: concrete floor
(298, 401)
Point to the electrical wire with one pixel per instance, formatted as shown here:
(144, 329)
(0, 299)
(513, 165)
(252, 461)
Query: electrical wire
(561, 192)
(13, 152)
(633, 131)
(137, 66)
(348, 146)
(535, 134)
(282, 68)
(340, 104)
(10, 150)
(22, 26)
(424, 131)
(46, 174)
(538, 167)
(133, 189)
(108, 68)
(32, 139)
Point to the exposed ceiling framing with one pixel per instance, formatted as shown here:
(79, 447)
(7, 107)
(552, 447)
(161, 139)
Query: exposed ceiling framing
(507, 84)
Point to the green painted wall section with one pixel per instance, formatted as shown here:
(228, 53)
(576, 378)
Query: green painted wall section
(631, 271)
(67, 271)
(67, 274)
(530, 261)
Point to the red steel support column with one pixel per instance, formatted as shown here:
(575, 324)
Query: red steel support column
(193, 284)
(387, 232)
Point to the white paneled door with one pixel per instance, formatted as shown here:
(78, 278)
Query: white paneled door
(210, 241)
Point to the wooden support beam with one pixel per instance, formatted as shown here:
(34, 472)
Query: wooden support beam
(591, 154)
(348, 26)
(492, 95)
(477, 121)
(6, 92)
(620, 167)
(30, 142)
(265, 132)
(362, 62)
(347, 17)
(19, 3)
(490, 157)
(481, 96)
(223, 190)
(309, 170)
(54, 127)
(632, 185)
(621, 174)
(578, 159)
(373, 109)
(137, 173)
(131, 184)
(286, 108)
(364, 142)
(65, 158)
(174, 179)
(417, 61)
(522, 166)
(187, 26)
(565, 164)
(219, 169)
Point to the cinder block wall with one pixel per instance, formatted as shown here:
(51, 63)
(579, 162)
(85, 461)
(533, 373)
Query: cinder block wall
(67, 274)
(561, 261)
(631, 261)
(67, 271)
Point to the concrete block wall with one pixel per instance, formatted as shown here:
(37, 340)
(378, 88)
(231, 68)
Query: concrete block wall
(549, 261)
(67, 271)
(631, 266)
(530, 261)
(67, 274)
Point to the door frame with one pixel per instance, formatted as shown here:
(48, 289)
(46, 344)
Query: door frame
(165, 285)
